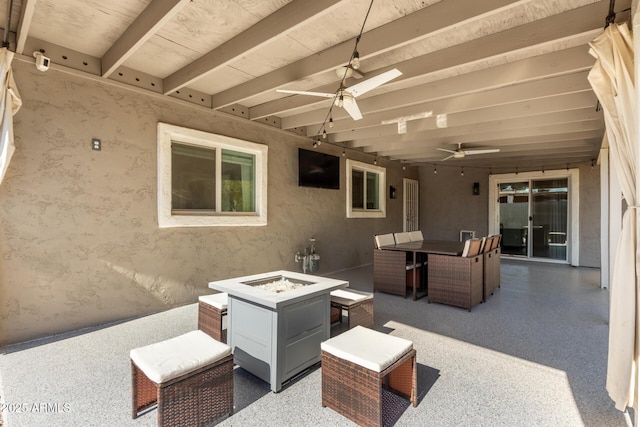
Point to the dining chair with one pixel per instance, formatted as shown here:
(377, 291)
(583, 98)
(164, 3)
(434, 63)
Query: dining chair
(416, 236)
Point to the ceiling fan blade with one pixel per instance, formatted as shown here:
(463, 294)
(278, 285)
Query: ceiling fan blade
(351, 107)
(481, 151)
(302, 92)
(373, 82)
(447, 158)
(444, 149)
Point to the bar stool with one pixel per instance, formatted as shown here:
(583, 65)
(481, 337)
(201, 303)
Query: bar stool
(212, 315)
(189, 378)
(358, 364)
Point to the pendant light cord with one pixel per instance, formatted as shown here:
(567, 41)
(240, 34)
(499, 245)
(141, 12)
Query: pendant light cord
(322, 129)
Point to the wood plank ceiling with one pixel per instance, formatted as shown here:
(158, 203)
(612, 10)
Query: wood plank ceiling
(500, 74)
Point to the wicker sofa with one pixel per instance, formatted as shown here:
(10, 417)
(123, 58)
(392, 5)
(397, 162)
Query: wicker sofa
(457, 280)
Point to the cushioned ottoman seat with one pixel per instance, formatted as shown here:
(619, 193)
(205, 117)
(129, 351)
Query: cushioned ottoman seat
(189, 378)
(358, 364)
(358, 305)
(212, 315)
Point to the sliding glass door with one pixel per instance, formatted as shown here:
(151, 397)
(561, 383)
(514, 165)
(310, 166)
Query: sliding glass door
(549, 218)
(533, 218)
(514, 217)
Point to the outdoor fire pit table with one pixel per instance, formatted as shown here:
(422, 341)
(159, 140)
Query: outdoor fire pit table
(276, 322)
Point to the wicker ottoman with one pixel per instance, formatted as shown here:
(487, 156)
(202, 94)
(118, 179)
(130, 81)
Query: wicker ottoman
(189, 378)
(358, 364)
(357, 304)
(212, 315)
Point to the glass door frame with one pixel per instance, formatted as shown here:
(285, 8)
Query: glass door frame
(573, 177)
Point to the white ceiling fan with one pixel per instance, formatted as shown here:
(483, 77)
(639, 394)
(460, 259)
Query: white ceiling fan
(345, 97)
(460, 153)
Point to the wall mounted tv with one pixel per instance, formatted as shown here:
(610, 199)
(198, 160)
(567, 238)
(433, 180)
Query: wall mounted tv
(318, 170)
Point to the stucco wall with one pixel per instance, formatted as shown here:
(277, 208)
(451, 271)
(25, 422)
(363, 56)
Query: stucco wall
(447, 205)
(589, 215)
(79, 238)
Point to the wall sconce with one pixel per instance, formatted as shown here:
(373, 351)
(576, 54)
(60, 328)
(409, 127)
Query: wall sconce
(393, 194)
(476, 188)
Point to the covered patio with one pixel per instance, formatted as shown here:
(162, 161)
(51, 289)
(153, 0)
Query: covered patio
(533, 354)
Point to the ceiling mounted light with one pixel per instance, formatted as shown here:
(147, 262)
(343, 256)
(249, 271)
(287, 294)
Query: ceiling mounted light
(402, 121)
(441, 121)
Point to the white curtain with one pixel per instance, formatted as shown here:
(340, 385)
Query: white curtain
(10, 103)
(612, 81)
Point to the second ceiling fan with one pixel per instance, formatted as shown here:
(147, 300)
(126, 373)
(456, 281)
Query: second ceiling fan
(345, 97)
(460, 153)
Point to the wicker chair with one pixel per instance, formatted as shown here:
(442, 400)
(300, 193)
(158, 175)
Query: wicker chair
(392, 270)
(457, 280)
(491, 274)
(359, 366)
(212, 315)
(416, 236)
(189, 378)
(357, 304)
(391, 273)
(403, 237)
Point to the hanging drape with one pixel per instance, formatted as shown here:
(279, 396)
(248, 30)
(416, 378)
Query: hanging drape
(10, 103)
(612, 81)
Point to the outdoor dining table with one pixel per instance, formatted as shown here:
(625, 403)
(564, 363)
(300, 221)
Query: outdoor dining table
(439, 247)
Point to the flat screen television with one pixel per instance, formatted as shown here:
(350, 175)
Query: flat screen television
(318, 170)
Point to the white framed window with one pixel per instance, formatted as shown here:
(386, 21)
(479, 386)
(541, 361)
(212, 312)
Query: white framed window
(366, 190)
(207, 180)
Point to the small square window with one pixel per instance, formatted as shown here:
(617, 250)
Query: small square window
(365, 190)
(209, 180)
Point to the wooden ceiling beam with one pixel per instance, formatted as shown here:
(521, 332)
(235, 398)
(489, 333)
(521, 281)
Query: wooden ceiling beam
(552, 64)
(487, 139)
(553, 118)
(146, 25)
(574, 23)
(506, 95)
(375, 42)
(279, 23)
(26, 16)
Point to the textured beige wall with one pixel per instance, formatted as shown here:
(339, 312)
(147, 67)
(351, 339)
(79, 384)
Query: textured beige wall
(79, 240)
(447, 205)
(589, 215)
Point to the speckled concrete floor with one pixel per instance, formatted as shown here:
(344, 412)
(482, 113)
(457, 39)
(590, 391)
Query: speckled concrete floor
(533, 355)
